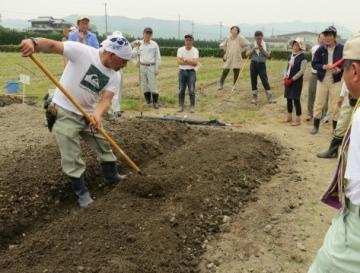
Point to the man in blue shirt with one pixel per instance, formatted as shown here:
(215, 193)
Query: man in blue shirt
(82, 34)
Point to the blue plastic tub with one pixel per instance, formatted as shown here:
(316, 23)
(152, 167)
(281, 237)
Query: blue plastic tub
(12, 87)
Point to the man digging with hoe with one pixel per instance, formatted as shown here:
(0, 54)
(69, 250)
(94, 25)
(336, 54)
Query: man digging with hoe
(89, 74)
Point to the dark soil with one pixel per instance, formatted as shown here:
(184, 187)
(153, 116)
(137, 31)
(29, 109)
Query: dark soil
(193, 179)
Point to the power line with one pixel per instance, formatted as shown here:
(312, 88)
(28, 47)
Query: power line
(179, 28)
(106, 20)
(221, 31)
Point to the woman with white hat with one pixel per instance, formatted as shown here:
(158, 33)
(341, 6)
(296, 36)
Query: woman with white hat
(293, 80)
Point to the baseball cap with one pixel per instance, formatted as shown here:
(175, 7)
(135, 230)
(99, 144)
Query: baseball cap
(83, 17)
(330, 29)
(148, 30)
(352, 48)
(189, 36)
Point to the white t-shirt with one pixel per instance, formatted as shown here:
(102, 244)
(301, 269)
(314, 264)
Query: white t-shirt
(84, 77)
(193, 53)
(352, 173)
(313, 50)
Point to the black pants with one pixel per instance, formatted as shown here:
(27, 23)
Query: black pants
(296, 102)
(258, 69)
(225, 74)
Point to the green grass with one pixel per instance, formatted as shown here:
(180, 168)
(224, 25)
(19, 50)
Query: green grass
(209, 100)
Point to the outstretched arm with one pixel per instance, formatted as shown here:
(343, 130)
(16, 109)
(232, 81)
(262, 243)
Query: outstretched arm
(29, 46)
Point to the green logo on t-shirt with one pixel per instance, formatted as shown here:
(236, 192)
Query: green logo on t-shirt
(94, 80)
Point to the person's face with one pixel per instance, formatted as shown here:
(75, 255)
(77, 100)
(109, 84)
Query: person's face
(188, 42)
(83, 25)
(258, 39)
(116, 63)
(234, 32)
(352, 79)
(296, 47)
(321, 39)
(147, 36)
(329, 39)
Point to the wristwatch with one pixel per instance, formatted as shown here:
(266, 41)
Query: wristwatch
(34, 41)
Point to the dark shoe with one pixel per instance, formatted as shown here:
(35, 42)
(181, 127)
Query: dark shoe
(315, 130)
(147, 96)
(332, 152)
(155, 100)
(110, 172)
(80, 189)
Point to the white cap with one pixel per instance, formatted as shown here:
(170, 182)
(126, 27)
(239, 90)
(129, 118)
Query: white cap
(118, 45)
(300, 42)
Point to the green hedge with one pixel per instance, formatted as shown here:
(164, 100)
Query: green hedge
(9, 48)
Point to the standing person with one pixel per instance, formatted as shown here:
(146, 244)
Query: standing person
(233, 46)
(187, 59)
(346, 104)
(340, 251)
(89, 75)
(82, 33)
(313, 80)
(115, 109)
(150, 60)
(259, 53)
(293, 80)
(329, 78)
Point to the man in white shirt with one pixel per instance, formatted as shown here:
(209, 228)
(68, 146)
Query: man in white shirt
(187, 59)
(89, 74)
(148, 52)
(340, 251)
(313, 80)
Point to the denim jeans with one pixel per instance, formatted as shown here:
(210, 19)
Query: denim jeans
(187, 78)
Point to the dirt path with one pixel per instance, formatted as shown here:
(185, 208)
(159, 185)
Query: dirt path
(284, 228)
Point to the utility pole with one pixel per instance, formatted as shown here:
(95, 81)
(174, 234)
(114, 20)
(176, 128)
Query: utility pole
(106, 21)
(192, 27)
(179, 28)
(0, 19)
(221, 30)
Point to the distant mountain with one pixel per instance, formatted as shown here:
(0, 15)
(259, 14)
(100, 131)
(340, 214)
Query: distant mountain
(169, 28)
(15, 23)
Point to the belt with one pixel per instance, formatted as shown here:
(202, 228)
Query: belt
(257, 62)
(351, 207)
(187, 69)
(147, 64)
